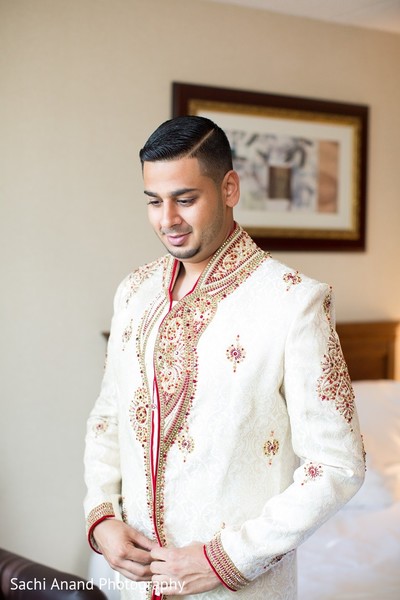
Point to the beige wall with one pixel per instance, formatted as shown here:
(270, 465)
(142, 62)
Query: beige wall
(83, 82)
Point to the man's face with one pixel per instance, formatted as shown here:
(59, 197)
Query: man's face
(189, 212)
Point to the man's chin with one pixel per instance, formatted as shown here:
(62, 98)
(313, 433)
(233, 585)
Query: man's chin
(183, 253)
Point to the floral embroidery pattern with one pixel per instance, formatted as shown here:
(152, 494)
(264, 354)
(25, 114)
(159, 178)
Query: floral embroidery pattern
(127, 334)
(334, 384)
(136, 278)
(327, 305)
(291, 279)
(236, 353)
(271, 447)
(100, 427)
(226, 263)
(171, 356)
(185, 442)
(311, 472)
(138, 415)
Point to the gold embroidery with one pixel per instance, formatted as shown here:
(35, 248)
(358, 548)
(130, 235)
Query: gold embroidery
(100, 427)
(327, 305)
(124, 514)
(139, 414)
(185, 441)
(291, 279)
(334, 383)
(271, 447)
(127, 334)
(223, 565)
(100, 512)
(311, 472)
(136, 278)
(236, 353)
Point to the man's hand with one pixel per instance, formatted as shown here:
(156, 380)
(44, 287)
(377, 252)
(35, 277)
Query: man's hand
(125, 549)
(181, 571)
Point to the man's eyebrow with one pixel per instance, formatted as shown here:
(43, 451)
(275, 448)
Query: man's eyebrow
(173, 194)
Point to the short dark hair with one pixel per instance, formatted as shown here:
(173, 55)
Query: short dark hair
(190, 137)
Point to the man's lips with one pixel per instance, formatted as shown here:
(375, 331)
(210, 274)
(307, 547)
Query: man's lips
(176, 239)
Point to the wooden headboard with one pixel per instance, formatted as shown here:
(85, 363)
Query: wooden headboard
(369, 348)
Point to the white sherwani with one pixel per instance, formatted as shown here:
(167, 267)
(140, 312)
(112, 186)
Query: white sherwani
(226, 418)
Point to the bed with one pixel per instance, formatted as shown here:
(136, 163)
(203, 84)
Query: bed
(356, 554)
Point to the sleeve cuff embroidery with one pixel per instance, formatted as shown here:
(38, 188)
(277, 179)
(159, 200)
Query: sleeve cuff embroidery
(223, 567)
(99, 513)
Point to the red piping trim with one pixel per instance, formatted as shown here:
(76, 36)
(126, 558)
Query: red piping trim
(90, 532)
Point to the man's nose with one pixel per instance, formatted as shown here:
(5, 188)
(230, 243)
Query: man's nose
(170, 215)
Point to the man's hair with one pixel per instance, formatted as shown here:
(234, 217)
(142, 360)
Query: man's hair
(190, 137)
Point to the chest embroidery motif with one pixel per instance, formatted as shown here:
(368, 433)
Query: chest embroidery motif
(236, 353)
(271, 447)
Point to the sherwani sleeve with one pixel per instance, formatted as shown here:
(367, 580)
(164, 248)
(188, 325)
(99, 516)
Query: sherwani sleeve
(101, 460)
(326, 438)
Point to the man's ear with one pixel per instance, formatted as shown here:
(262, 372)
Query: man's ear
(231, 188)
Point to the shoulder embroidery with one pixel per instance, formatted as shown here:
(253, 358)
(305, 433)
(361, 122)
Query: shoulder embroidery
(334, 383)
(327, 306)
(236, 353)
(291, 279)
(136, 278)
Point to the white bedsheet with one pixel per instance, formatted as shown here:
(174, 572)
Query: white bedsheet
(354, 556)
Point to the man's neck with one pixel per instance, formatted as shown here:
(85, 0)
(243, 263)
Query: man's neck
(189, 274)
(186, 280)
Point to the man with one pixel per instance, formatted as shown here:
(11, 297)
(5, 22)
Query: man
(225, 432)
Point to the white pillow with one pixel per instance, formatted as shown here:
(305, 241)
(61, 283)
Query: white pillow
(378, 407)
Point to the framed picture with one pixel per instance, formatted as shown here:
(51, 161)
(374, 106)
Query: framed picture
(302, 164)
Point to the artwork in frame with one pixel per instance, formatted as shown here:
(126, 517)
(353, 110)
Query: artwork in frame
(302, 164)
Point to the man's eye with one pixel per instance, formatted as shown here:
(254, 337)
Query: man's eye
(185, 201)
(154, 203)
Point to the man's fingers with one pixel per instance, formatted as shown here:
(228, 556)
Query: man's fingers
(137, 555)
(158, 567)
(131, 569)
(135, 572)
(141, 541)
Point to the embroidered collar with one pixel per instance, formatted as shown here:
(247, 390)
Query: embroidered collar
(238, 252)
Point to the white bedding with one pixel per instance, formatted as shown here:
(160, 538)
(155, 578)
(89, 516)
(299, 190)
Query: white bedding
(356, 554)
